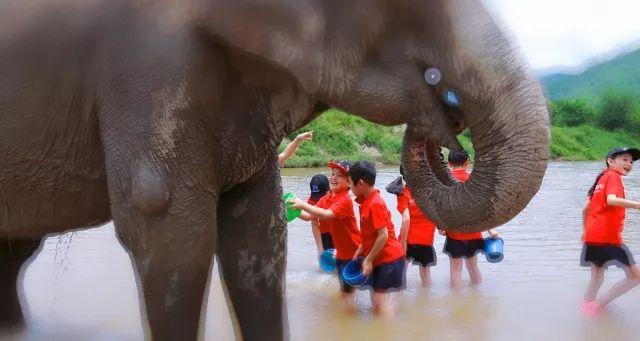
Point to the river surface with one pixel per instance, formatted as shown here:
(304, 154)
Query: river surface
(81, 285)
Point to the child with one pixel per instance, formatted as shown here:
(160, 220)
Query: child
(337, 209)
(384, 258)
(603, 220)
(461, 246)
(319, 186)
(416, 231)
(293, 146)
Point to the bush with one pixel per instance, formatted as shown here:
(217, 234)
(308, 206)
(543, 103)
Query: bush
(616, 109)
(572, 112)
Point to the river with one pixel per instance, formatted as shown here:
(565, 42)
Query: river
(81, 285)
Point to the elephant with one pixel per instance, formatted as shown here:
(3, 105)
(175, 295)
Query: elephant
(165, 117)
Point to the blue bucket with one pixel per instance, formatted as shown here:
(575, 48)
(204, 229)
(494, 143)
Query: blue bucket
(352, 273)
(327, 260)
(494, 249)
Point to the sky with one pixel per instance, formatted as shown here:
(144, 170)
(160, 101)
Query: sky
(568, 32)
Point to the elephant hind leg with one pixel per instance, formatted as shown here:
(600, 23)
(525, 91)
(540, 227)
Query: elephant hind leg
(13, 254)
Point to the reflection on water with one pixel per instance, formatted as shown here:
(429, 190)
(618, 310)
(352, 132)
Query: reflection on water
(81, 286)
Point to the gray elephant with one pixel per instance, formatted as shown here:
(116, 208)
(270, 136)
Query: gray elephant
(165, 117)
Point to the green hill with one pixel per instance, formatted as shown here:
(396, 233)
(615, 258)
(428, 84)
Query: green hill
(622, 72)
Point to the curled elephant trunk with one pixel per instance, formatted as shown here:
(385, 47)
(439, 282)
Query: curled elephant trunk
(512, 147)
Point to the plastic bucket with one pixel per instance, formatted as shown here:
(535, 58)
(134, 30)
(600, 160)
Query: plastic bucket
(494, 249)
(328, 260)
(352, 273)
(292, 213)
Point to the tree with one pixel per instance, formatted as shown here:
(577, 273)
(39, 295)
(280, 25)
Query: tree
(572, 112)
(616, 108)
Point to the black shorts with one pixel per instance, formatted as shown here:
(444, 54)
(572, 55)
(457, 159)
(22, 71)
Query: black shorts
(344, 286)
(604, 255)
(463, 248)
(388, 276)
(425, 255)
(327, 241)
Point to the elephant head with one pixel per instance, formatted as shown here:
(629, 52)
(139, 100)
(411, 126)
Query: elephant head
(438, 66)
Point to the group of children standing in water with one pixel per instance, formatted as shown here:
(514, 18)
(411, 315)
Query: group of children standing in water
(386, 257)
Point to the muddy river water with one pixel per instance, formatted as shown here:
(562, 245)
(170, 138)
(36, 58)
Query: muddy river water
(81, 285)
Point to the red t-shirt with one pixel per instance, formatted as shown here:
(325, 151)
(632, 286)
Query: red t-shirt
(344, 229)
(604, 223)
(325, 202)
(421, 229)
(462, 175)
(374, 215)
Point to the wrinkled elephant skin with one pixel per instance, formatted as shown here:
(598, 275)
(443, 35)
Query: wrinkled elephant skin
(165, 117)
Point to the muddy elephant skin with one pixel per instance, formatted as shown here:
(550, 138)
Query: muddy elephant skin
(165, 117)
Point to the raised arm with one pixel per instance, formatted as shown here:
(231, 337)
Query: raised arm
(293, 146)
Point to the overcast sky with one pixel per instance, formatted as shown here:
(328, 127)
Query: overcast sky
(566, 32)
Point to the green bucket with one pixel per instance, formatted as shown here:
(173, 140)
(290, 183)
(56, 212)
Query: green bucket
(292, 213)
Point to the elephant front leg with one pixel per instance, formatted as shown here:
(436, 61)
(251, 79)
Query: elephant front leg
(13, 254)
(251, 253)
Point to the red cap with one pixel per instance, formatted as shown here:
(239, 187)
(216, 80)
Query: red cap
(343, 165)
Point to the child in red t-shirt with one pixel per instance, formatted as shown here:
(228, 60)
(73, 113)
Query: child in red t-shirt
(461, 246)
(416, 231)
(337, 208)
(384, 257)
(319, 186)
(603, 220)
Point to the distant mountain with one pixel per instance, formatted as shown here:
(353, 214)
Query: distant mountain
(621, 72)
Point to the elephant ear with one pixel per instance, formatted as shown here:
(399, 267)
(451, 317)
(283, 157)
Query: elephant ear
(287, 33)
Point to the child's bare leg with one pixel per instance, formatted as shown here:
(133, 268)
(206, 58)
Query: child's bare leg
(455, 271)
(597, 278)
(474, 271)
(425, 276)
(620, 288)
(348, 302)
(382, 305)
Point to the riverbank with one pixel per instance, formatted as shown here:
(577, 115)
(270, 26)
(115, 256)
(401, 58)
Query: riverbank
(339, 136)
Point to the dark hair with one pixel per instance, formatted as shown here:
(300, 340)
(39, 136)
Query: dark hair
(458, 157)
(363, 170)
(595, 183)
(402, 172)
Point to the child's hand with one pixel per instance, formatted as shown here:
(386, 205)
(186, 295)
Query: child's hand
(367, 266)
(296, 203)
(305, 136)
(441, 232)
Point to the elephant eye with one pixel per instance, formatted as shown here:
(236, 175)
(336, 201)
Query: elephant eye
(451, 98)
(432, 76)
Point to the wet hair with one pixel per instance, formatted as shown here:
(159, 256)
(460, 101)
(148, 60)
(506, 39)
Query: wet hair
(363, 170)
(458, 157)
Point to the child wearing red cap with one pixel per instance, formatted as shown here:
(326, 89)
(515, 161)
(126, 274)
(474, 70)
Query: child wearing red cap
(384, 257)
(603, 221)
(337, 209)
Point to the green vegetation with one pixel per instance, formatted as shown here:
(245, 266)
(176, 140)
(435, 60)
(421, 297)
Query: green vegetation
(590, 114)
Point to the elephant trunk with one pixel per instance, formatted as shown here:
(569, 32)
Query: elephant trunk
(511, 140)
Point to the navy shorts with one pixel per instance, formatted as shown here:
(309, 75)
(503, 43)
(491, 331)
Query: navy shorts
(327, 241)
(344, 286)
(604, 255)
(463, 248)
(388, 276)
(425, 255)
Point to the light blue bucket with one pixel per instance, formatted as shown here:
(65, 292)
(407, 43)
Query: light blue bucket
(327, 260)
(352, 273)
(494, 249)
